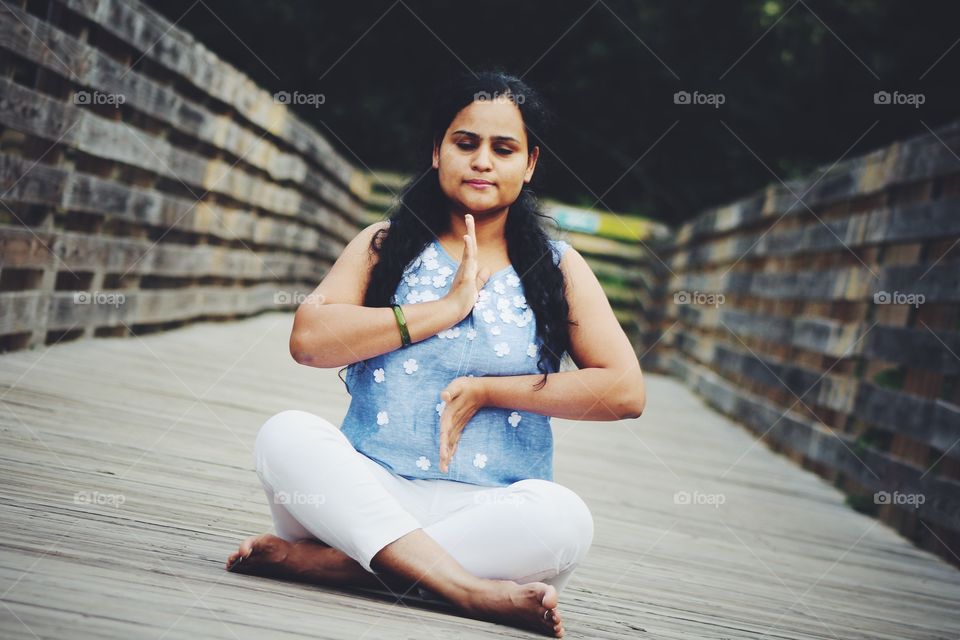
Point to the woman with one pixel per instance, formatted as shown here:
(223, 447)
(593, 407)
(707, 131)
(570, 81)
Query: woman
(453, 323)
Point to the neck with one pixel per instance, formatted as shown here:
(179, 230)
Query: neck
(490, 227)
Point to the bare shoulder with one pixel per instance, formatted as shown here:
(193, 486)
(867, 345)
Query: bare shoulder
(597, 339)
(347, 280)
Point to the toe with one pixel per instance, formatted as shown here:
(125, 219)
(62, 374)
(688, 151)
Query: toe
(550, 598)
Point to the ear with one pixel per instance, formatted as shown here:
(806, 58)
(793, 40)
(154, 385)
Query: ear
(436, 155)
(531, 164)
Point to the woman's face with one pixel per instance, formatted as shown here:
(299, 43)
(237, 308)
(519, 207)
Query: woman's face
(483, 160)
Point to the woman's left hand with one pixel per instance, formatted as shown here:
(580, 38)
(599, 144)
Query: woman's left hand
(463, 397)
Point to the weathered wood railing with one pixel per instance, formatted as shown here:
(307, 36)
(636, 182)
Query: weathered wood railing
(146, 183)
(823, 315)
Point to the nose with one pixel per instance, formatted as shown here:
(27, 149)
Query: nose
(481, 159)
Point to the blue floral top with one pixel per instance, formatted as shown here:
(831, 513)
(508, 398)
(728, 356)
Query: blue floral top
(394, 414)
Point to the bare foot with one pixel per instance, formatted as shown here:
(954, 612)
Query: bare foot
(305, 561)
(265, 555)
(530, 606)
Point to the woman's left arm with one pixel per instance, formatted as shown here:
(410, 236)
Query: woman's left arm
(608, 384)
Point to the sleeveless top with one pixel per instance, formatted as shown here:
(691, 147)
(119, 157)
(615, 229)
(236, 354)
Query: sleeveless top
(395, 407)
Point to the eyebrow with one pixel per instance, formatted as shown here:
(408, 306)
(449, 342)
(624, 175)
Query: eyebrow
(495, 138)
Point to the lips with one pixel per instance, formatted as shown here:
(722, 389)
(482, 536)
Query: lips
(478, 182)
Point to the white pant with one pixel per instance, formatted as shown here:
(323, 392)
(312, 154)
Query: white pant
(320, 487)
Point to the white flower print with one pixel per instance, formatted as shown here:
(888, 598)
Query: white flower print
(471, 334)
(444, 271)
(489, 315)
(514, 419)
(525, 319)
(532, 350)
(513, 280)
(410, 365)
(431, 264)
(502, 349)
(413, 297)
(495, 331)
(503, 303)
(499, 288)
(480, 460)
(412, 279)
(482, 298)
(423, 463)
(440, 407)
(430, 252)
(379, 375)
(450, 333)
(426, 296)
(439, 281)
(507, 317)
(382, 418)
(520, 302)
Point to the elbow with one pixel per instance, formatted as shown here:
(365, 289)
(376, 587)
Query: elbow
(300, 353)
(632, 397)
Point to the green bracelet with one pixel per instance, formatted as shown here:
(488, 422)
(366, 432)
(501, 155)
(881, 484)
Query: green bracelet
(402, 323)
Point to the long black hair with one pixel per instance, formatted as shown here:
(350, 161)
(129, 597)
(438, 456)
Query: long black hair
(422, 214)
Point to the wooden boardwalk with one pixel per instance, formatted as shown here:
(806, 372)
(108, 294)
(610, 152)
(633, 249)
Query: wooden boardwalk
(127, 479)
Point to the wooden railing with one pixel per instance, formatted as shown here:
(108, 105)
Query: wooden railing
(146, 183)
(823, 315)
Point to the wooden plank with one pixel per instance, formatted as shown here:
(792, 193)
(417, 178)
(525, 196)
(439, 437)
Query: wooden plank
(162, 42)
(782, 557)
(64, 188)
(39, 115)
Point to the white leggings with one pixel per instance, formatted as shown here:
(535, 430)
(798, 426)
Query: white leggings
(319, 487)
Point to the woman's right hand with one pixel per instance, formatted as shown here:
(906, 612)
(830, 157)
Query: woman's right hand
(469, 279)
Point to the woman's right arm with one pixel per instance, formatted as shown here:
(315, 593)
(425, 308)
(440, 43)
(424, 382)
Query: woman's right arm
(332, 328)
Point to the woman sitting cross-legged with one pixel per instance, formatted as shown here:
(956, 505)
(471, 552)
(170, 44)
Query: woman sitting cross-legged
(452, 317)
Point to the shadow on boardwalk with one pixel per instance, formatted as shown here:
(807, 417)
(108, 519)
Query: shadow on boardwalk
(127, 479)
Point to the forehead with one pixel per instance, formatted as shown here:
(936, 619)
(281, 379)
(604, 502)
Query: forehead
(490, 118)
